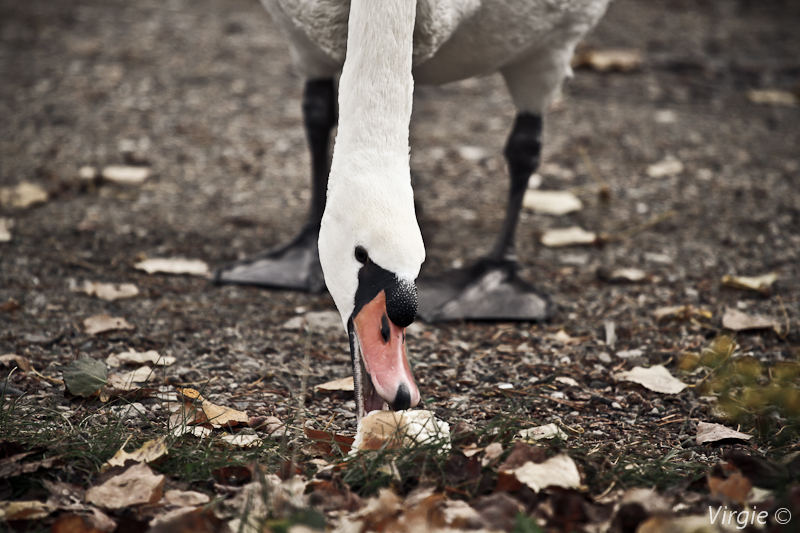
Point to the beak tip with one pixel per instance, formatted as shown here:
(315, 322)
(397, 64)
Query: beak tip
(402, 399)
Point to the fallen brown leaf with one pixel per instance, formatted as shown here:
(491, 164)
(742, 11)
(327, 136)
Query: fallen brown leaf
(716, 432)
(73, 523)
(102, 323)
(760, 284)
(23, 195)
(177, 266)
(736, 320)
(344, 384)
(24, 510)
(734, 488)
(191, 521)
(621, 60)
(149, 452)
(11, 360)
(13, 466)
(558, 471)
(325, 442)
(6, 225)
(572, 236)
(656, 378)
(186, 498)
(108, 291)
(137, 485)
(139, 358)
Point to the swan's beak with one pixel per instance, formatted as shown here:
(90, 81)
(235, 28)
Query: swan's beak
(379, 346)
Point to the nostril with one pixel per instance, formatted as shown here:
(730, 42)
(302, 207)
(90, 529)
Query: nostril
(385, 331)
(403, 398)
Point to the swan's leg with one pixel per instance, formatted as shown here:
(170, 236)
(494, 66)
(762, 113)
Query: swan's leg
(295, 264)
(491, 289)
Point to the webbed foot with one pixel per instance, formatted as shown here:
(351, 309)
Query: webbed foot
(489, 290)
(294, 265)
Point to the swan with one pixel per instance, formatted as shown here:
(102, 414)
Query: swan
(530, 42)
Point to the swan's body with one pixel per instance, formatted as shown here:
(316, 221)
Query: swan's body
(529, 41)
(370, 246)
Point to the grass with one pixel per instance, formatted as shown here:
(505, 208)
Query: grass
(85, 440)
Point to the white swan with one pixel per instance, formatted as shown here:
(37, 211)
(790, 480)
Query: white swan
(530, 42)
(370, 246)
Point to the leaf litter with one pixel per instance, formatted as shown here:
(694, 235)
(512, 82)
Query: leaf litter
(108, 291)
(175, 265)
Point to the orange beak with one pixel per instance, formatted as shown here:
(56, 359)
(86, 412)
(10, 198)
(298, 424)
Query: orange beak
(388, 379)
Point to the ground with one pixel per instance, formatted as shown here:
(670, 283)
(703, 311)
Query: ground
(204, 94)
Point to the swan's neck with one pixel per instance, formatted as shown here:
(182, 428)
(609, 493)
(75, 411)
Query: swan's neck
(376, 87)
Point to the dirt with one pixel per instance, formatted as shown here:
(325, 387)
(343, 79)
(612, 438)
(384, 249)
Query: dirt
(205, 95)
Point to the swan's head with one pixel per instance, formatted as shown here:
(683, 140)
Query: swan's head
(371, 251)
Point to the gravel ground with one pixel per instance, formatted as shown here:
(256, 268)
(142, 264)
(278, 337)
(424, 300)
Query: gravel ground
(204, 94)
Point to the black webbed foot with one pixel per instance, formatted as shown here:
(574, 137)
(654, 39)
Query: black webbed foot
(293, 265)
(489, 290)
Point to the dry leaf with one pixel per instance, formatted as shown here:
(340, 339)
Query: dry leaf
(24, 510)
(772, 97)
(188, 413)
(471, 450)
(191, 267)
(735, 487)
(108, 291)
(186, 498)
(136, 486)
(401, 428)
(127, 380)
(125, 175)
(493, 452)
(633, 275)
(571, 236)
(760, 284)
(102, 323)
(684, 312)
(217, 415)
(344, 384)
(620, 60)
(738, 321)
(669, 166)
(190, 520)
(558, 471)
(564, 338)
(73, 523)
(22, 196)
(656, 378)
(6, 225)
(139, 358)
(548, 431)
(551, 202)
(328, 443)
(716, 432)
(149, 452)
(224, 416)
(242, 441)
(11, 360)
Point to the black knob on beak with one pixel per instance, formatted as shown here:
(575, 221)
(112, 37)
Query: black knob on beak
(403, 398)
